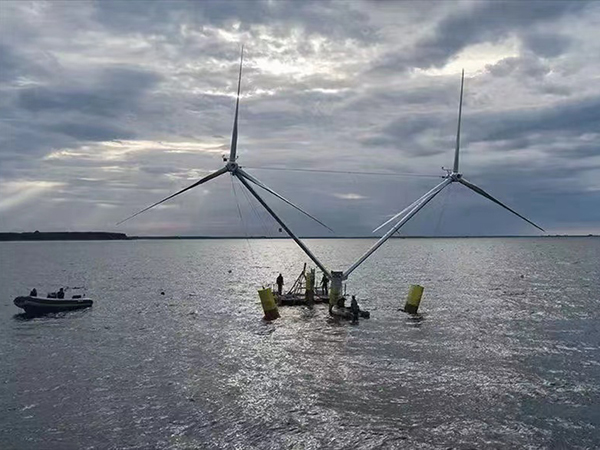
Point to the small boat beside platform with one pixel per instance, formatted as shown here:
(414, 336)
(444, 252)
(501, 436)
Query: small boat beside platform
(344, 312)
(44, 305)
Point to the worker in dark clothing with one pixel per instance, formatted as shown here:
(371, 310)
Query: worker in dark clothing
(279, 284)
(324, 283)
(33, 293)
(60, 293)
(355, 309)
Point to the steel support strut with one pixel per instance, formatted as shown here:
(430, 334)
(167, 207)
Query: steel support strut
(283, 225)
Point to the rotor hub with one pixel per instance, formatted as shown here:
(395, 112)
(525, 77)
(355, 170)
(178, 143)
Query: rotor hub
(232, 166)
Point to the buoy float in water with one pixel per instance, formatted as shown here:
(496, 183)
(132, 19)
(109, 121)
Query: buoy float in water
(413, 300)
(268, 304)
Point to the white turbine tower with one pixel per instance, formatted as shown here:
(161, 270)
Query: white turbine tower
(247, 180)
(452, 176)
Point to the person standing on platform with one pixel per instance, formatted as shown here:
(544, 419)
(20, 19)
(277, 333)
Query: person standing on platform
(324, 283)
(279, 284)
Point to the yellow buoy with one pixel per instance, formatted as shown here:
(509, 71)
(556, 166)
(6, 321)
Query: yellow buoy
(414, 299)
(268, 304)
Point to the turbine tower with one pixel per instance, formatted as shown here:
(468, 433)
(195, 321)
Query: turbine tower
(247, 181)
(452, 176)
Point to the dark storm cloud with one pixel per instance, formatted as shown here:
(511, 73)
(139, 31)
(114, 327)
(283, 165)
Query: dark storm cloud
(584, 151)
(11, 65)
(573, 117)
(91, 131)
(442, 93)
(402, 133)
(485, 21)
(546, 44)
(536, 199)
(115, 90)
(331, 18)
(520, 66)
(159, 170)
(27, 66)
(491, 20)
(76, 108)
(513, 129)
(24, 142)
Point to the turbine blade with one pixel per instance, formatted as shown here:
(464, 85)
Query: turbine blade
(462, 83)
(405, 210)
(488, 196)
(420, 205)
(260, 184)
(234, 134)
(424, 200)
(400, 214)
(197, 183)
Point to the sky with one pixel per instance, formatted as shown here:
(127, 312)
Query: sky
(109, 106)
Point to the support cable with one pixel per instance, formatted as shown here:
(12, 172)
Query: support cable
(237, 203)
(352, 172)
(441, 216)
(261, 220)
(427, 262)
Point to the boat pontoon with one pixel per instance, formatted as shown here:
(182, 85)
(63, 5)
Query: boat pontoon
(44, 305)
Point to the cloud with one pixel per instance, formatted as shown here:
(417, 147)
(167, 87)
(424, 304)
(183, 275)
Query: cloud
(106, 94)
(522, 66)
(547, 45)
(350, 196)
(125, 103)
(15, 193)
(89, 131)
(472, 23)
(574, 116)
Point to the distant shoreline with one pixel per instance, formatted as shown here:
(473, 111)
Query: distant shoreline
(105, 236)
(64, 236)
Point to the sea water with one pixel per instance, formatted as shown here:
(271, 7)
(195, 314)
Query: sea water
(506, 352)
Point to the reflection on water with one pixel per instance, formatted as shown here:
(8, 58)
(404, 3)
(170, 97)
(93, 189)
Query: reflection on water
(503, 355)
(35, 316)
(415, 320)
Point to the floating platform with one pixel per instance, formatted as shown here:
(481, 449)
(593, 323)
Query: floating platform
(297, 299)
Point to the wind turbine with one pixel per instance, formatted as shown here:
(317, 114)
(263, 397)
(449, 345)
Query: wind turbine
(247, 180)
(452, 176)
